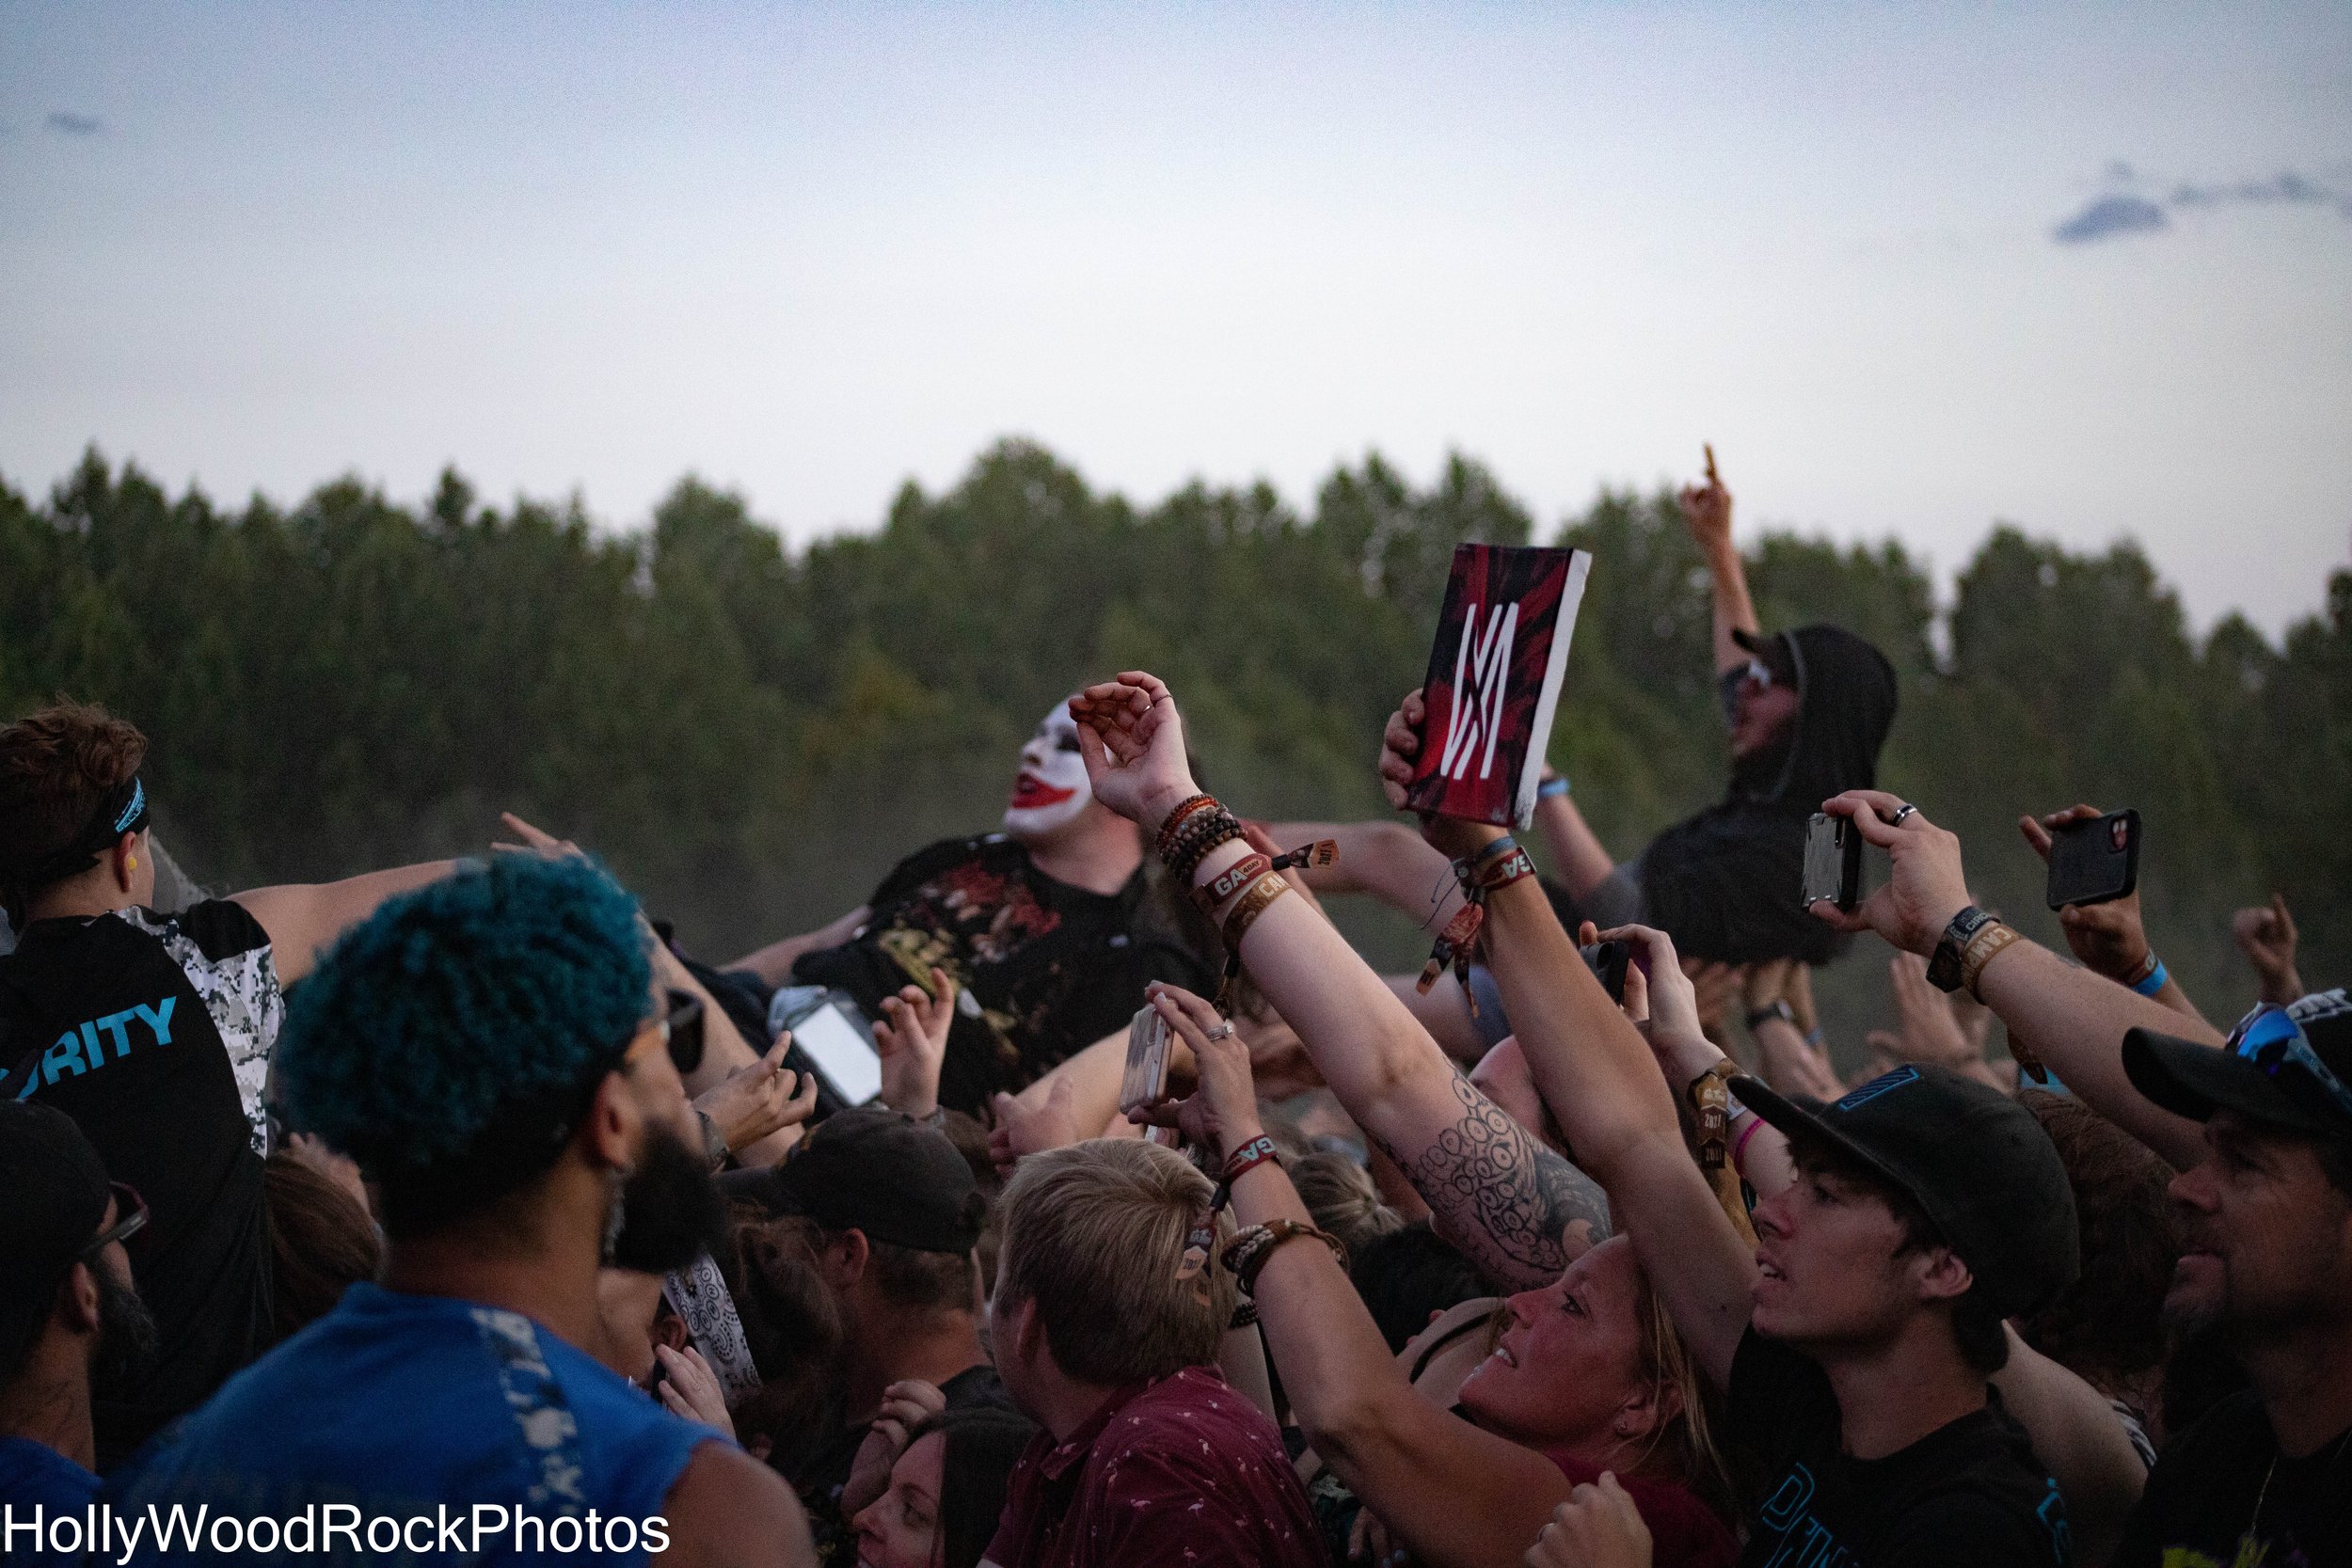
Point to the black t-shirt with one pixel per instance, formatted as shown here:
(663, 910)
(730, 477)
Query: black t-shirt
(2200, 1507)
(158, 1030)
(820, 1479)
(1050, 968)
(1969, 1494)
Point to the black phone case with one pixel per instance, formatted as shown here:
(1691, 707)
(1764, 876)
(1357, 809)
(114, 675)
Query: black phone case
(1832, 862)
(2087, 868)
(1606, 961)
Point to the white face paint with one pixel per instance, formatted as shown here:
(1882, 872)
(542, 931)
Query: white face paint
(1051, 789)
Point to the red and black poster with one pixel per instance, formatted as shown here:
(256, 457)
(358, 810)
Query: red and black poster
(1494, 680)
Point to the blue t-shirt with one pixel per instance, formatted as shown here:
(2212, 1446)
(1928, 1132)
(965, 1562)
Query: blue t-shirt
(394, 1425)
(35, 1476)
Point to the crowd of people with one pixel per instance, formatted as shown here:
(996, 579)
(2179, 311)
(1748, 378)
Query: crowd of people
(453, 1211)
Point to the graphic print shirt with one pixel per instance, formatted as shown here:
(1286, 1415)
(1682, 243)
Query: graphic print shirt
(153, 1034)
(1968, 1494)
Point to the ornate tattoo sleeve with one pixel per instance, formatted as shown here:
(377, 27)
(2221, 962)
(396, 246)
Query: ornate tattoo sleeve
(1506, 1200)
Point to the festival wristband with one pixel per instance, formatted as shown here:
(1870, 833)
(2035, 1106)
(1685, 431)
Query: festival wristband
(1551, 789)
(1233, 879)
(1276, 1233)
(1249, 1157)
(1264, 891)
(1739, 1147)
(1991, 940)
(2156, 981)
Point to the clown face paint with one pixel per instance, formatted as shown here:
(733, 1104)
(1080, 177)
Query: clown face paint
(1051, 790)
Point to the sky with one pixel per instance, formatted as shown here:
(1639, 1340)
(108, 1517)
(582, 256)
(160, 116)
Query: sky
(1911, 269)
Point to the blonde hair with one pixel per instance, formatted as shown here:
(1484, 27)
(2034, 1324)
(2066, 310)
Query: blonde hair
(1094, 1235)
(1687, 1434)
(1339, 1194)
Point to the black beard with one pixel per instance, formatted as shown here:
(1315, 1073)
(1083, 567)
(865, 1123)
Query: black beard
(671, 1210)
(126, 1337)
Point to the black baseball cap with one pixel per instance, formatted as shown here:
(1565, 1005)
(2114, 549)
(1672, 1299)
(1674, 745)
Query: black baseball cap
(1975, 1161)
(879, 1171)
(2289, 1066)
(1774, 651)
(56, 1191)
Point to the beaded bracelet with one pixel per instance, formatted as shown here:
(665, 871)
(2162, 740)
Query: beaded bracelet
(1184, 808)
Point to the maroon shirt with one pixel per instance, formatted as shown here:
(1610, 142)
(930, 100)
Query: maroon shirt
(1183, 1471)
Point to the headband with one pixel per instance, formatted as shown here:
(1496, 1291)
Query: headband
(697, 1294)
(120, 810)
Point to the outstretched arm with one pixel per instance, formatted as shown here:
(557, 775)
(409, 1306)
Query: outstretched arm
(1387, 860)
(2109, 938)
(1606, 1092)
(2073, 1020)
(774, 963)
(1707, 511)
(1454, 1494)
(1518, 1217)
(303, 919)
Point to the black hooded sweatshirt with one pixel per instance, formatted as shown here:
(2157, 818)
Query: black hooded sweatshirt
(1724, 884)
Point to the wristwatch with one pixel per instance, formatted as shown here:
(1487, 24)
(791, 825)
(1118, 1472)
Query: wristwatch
(1779, 1009)
(1943, 967)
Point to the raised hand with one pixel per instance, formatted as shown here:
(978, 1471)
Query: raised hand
(1400, 744)
(759, 1099)
(1022, 1129)
(1132, 741)
(910, 1037)
(1598, 1527)
(1928, 1029)
(690, 1388)
(1707, 511)
(2266, 934)
(1222, 1113)
(535, 841)
(905, 1406)
(1927, 888)
(2107, 938)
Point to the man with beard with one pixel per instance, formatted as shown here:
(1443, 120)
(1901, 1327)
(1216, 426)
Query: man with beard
(68, 1315)
(1050, 930)
(2264, 1477)
(493, 1051)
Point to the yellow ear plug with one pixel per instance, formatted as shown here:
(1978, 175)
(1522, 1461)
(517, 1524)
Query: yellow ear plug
(134, 861)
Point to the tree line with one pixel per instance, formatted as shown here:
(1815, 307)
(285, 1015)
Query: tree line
(752, 734)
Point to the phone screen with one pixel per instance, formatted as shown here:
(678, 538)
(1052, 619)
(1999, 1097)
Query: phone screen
(841, 1054)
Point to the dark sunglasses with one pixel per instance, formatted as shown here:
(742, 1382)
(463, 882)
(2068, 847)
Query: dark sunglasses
(130, 1219)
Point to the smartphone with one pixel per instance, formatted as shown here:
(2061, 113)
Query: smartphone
(2096, 861)
(1146, 1079)
(843, 1051)
(1832, 862)
(1606, 961)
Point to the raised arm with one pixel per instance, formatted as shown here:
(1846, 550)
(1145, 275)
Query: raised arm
(1501, 1197)
(1455, 1494)
(303, 919)
(1606, 1094)
(2109, 938)
(1386, 861)
(774, 963)
(2073, 1020)
(1707, 511)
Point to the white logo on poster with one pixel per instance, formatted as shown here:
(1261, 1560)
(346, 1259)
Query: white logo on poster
(1481, 666)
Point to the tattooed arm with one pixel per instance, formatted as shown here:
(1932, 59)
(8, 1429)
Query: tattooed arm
(1517, 1209)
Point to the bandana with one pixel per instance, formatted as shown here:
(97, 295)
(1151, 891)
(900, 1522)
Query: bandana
(120, 810)
(697, 1294)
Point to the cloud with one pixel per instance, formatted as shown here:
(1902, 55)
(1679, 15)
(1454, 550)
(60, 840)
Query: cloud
(67, 123)
(2108, 217)
(2124, 212)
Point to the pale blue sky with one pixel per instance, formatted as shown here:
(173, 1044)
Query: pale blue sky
(809, 252)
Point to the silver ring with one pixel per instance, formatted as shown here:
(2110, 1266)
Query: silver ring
(1221, 1032)
(1900, 812)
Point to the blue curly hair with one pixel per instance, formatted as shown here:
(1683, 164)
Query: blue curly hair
(457, 1007)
